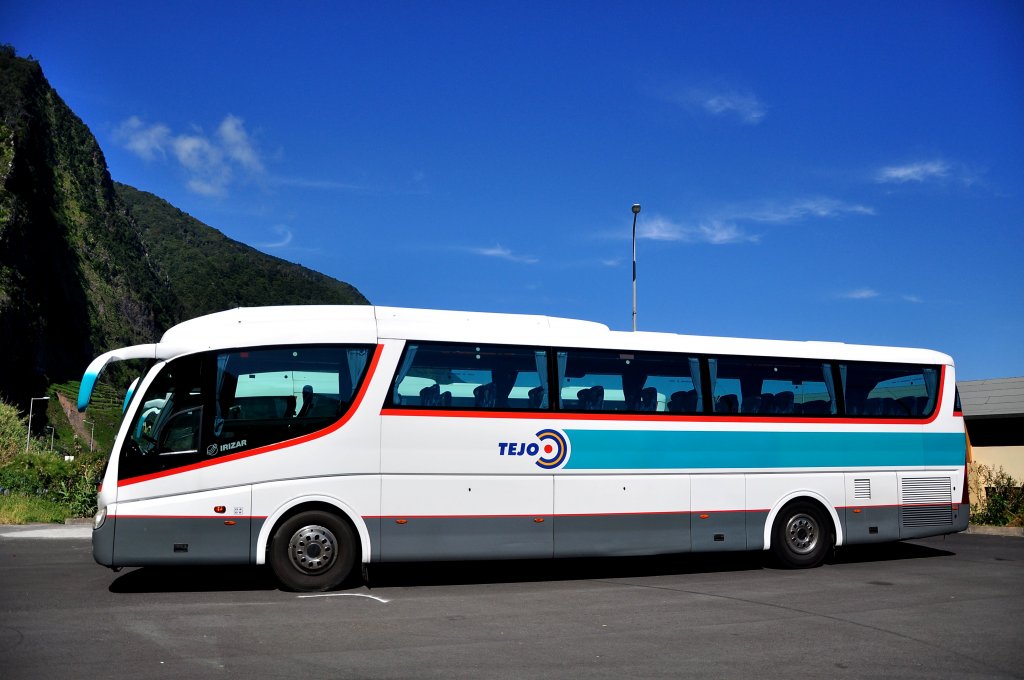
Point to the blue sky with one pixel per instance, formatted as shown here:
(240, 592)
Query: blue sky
(831, 171)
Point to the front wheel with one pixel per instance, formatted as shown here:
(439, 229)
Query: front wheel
(802, 535)
(313, 551)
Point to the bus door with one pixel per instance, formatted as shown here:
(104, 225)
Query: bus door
(163, 515)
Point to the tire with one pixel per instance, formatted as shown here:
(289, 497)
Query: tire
(313, 551)
(802, 536)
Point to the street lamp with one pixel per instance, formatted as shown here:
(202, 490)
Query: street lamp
(92, 433)
(636, 211)
(31, 403)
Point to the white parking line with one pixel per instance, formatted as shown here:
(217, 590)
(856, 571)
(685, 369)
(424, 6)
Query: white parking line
(372, 597)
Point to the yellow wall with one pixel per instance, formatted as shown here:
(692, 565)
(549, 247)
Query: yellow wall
(1010, 458)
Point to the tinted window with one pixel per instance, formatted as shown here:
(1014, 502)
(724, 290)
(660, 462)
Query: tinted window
(264, 396)
(635, 382)
(214, 404)
(768, 386)
(167, 428)
(471, 376)
(890, 390)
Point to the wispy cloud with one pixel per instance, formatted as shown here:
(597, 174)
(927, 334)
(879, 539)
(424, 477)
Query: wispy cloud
(860, 294)
(237, 144)
(503, 253)
(800, 209)
(209, 161)
(145, 141)
(921, 171)
(714, 232)
(742, 106)
(867, 293)
(737, 223)
(285, 239)
(325, 184)
(208, 173)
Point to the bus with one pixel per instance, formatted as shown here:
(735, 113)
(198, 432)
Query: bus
(320, 439)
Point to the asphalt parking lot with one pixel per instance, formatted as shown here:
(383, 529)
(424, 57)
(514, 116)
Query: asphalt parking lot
(945, 607)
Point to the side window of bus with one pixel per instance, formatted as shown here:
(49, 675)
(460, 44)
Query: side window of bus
(633, 382)
(471, 376)
(876, 390)
(166, 430)
(268, 395)
(768, 386)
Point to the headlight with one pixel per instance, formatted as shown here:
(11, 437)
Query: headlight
(101, 516)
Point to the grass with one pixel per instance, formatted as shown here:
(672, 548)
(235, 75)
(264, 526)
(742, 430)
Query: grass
(17, 508)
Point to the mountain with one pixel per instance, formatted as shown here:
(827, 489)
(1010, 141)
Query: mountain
(208, 272)
(87, 264)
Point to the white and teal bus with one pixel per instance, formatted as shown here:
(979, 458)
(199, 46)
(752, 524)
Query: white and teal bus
(317, 438)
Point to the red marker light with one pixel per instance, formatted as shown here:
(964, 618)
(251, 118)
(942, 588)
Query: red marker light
(220, 509)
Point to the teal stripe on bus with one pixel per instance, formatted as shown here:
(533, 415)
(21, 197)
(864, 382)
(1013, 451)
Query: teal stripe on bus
(628, 450)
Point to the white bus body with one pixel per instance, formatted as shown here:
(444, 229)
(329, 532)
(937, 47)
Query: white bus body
(314, 438)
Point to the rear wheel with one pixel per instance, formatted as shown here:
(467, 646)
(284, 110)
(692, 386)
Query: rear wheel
(802, 535)
(313, 551)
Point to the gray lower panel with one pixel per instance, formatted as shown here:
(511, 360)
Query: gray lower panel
(961, 517)
(755, 529)
(918, 521)
(622, 534)
(464, 538)
(718, 531)
(871, 525)
(103, 543)
(373, 528)
(140, 541)
(254, 536)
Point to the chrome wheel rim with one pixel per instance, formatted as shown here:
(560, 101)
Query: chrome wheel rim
(312, 549)
(802, 533)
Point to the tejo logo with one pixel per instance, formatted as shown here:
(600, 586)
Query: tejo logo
(553, 443)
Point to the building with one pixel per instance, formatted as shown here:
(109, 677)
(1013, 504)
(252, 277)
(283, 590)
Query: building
(994, 414)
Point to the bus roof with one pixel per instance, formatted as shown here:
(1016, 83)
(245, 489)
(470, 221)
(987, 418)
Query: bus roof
(366, 324)
(248, 326)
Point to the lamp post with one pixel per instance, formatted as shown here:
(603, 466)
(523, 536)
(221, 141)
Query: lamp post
(31, 403)
(636, 211)
(92, 433)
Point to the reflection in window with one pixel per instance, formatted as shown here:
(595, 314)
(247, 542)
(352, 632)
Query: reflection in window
(471, 376)
(270, 395)
(203, 406)
(634, 382)
(167, 428)
(890, 390)
(769, 386)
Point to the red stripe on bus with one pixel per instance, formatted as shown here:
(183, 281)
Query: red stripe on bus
(636, 514)
(353, 408)
(190, 516)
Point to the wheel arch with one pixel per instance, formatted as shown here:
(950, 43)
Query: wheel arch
(313, 502)
(802, 494)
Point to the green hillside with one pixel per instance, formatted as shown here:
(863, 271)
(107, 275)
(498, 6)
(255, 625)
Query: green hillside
(87, 264)
(208, 272)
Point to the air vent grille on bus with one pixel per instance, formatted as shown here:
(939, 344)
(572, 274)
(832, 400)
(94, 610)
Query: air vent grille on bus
(927, 501)
(862, 488)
